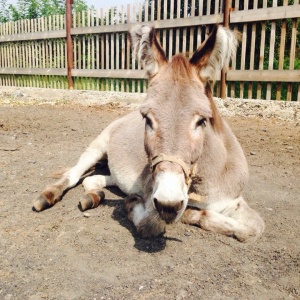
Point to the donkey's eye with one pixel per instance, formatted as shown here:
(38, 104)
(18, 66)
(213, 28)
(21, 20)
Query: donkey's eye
(201, 122)
(148, 122)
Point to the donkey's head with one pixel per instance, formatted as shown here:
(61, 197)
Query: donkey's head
(179, 112)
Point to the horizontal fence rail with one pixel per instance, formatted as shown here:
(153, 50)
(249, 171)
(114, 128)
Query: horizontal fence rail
(34, 53)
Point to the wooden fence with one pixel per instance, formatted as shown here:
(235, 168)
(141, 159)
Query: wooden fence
(33, 53)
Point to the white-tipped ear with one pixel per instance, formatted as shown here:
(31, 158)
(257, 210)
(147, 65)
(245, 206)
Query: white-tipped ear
(215, 53)
(147, 49)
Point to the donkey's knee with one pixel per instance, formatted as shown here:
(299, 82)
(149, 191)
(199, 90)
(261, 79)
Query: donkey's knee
(96, 182)
(146, 220)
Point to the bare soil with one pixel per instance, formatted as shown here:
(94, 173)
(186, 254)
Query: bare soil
(62, 254)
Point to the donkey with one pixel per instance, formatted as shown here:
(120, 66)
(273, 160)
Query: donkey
(175, 158)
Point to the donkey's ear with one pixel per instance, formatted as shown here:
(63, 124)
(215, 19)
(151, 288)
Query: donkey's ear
(215, 52)
(147, 49)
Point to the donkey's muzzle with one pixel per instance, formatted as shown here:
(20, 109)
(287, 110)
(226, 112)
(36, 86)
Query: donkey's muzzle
(168, 212)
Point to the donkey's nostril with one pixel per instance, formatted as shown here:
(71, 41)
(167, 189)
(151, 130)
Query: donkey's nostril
(156, 205)
(168, 211)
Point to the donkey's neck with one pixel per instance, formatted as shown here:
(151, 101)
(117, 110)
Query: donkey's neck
(222, 167)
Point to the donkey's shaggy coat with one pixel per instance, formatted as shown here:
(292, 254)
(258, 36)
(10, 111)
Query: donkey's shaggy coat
(176, 157)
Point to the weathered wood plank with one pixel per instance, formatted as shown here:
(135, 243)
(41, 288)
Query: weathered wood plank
(139, 82)
(292, 55)
(34, 71)
(152, 10)
(184, 31)
(102, 40)
(243, 57)
(128, 44)
(123, 47)
(208, 6)
(191, 45)
(264, 75)
(177, 30)
(281, 52)
(170, 53)
(33, 36)
(159, 24)
(112, 46)
(129, 74)
(261, 55)
(146, 14)
(165, 30)
(264, 14)
(117, 44)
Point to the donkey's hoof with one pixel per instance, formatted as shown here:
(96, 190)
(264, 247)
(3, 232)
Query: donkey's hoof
(91, 200)
(40, 204)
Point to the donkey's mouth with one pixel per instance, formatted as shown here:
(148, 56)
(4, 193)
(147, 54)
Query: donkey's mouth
(168, 213)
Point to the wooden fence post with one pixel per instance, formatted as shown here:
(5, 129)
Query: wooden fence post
(227, 7)
(70, 60)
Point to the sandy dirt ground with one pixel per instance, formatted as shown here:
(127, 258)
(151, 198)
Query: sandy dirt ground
(62, 254)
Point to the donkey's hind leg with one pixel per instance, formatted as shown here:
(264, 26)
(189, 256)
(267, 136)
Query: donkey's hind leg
(237, 220)
(145, 218)
(95, 151)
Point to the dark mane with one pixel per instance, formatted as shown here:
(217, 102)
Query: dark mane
(181, 68)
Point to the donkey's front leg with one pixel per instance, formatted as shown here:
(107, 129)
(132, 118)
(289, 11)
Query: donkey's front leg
(95, 151)
(144, 216)
(237, 220)
(93, 186)
(53, 193)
